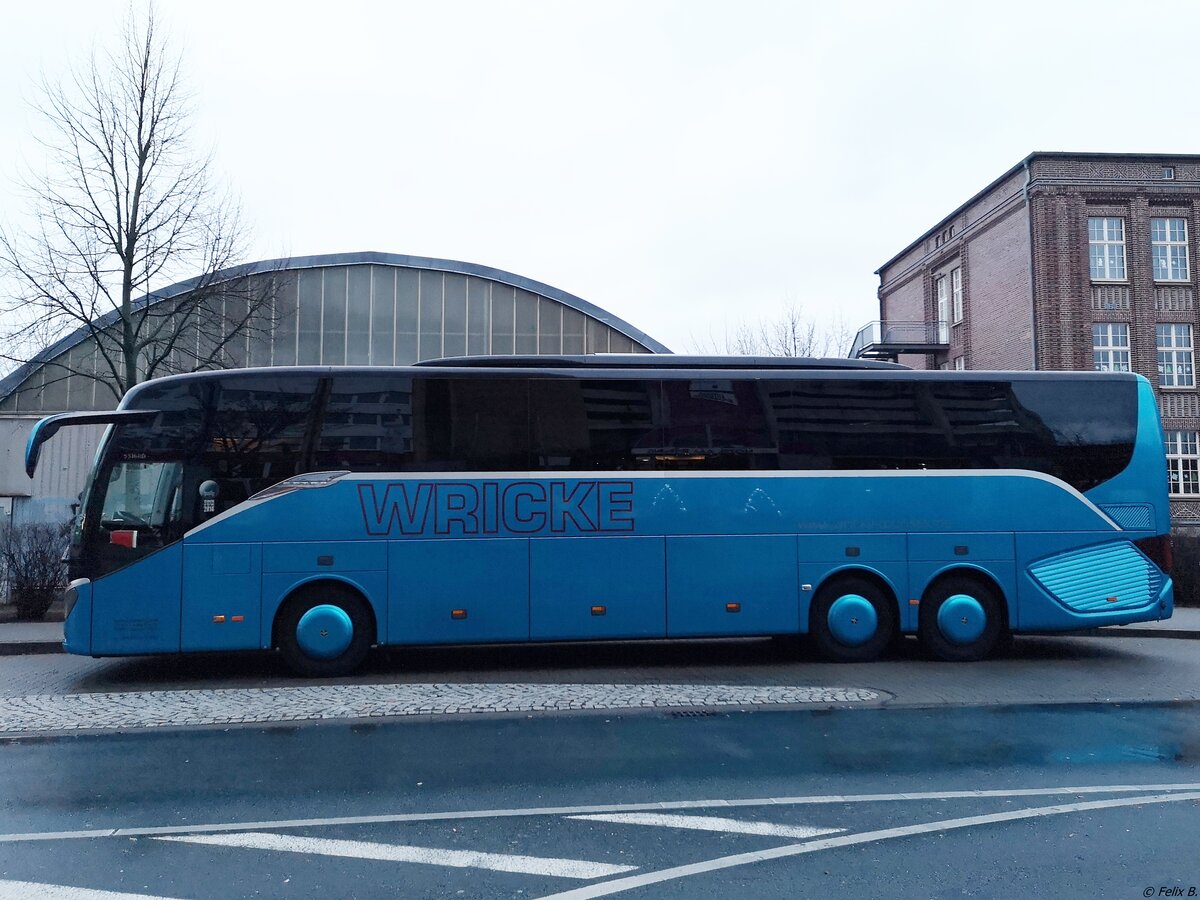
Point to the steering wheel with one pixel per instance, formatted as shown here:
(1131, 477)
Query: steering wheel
(126, 516)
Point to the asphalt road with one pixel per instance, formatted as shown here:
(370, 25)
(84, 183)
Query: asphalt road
(1097, 801)
(1065, 767)
(1032, 670)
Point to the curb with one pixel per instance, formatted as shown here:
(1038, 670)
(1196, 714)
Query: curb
(29, 648)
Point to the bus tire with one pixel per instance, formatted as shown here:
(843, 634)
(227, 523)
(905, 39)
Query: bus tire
(962, 619)
(852, 619)
(324, 629)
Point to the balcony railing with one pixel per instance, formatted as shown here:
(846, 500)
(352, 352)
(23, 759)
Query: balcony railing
(877, 340)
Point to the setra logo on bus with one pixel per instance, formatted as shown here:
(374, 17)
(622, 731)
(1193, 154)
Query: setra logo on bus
(489, 507)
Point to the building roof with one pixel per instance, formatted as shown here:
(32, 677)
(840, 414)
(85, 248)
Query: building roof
(1037, 154)
(18, 376)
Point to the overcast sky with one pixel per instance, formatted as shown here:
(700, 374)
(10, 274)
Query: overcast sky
(682, 164)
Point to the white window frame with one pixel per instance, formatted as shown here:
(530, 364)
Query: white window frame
(1183, 463)
(960, 363)
(1176, 365)
(939, 300)
(1106, 248)
(956, 295)
(1169, 255)
(1110, 346)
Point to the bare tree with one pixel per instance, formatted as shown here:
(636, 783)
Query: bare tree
(125, 203)
(791, 333)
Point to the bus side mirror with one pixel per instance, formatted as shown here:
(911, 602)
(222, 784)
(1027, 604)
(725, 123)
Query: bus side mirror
(209, 492)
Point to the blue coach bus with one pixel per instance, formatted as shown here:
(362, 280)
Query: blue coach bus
(321, 511)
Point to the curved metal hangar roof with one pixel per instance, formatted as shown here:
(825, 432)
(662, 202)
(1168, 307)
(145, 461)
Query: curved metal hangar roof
(342, 309)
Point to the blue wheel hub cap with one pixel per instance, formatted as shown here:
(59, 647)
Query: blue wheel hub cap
(962, 619)
(852, 619)
(324, 631)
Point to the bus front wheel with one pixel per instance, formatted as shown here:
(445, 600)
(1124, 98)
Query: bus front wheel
(961, 620)
(852, 619)
(324, 630)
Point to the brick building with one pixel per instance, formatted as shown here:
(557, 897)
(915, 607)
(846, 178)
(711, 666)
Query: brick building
(1066, 261)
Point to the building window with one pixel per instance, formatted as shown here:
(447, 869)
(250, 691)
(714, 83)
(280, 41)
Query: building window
(1169, 249)
(940, 298)
(1175, 356)
(1183, 463)
(1168, 173)
(1110, 347)
(956, 304)
(1106, 248)
(960, 363)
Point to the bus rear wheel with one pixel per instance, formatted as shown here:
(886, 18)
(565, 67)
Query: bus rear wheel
(324, 630)
(852, 619)
(961, 620)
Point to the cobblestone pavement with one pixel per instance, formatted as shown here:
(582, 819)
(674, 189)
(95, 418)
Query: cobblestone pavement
(215, 688)
(150, 709)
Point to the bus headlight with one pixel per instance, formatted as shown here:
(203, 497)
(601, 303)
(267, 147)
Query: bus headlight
(71, 596)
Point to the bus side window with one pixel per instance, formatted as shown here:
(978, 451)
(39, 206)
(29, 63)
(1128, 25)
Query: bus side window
(605, 425)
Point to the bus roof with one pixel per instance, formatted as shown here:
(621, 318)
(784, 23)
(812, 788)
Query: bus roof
(655, 361)
(636, 365)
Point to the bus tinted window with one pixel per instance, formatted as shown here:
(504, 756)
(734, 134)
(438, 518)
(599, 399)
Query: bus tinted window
(259, 434)
(267, 427)
(716, 424)
(606, 425)
(180, 426)
(366, 425)
(470, 424)
(1078, 431)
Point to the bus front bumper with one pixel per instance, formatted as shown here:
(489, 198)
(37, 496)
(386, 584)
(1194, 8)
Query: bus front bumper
(77, 629)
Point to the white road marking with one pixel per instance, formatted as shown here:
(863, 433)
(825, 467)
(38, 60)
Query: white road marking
(712, 823)
(431, 856)
(23, 890)
(620, 885)
(385, 819)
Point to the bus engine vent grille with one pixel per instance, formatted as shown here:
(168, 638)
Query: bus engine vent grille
(1130, 515)
(1104, 578)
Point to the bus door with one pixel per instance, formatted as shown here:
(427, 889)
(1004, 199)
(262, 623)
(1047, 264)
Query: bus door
(135, 608)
